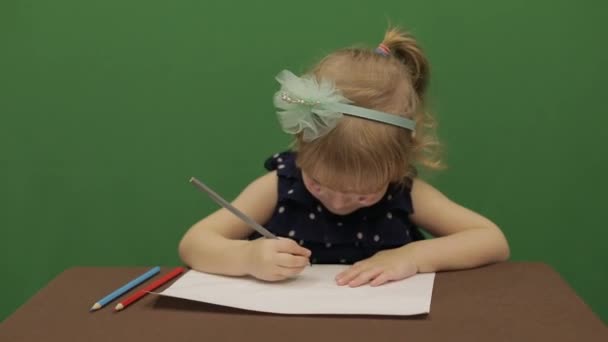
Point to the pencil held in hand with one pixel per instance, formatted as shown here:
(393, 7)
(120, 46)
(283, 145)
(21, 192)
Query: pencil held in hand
(219, 200)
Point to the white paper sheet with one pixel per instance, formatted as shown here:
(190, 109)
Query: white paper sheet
(314, 291)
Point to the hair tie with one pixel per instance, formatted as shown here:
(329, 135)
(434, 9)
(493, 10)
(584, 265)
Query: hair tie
(383, 50)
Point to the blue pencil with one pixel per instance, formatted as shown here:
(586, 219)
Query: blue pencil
(128, 286)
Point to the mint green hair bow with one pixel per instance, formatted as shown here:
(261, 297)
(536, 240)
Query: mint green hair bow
(314, 108)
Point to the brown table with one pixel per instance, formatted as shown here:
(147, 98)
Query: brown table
(503, 302)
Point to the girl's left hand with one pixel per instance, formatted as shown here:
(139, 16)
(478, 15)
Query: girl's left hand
(384, 266)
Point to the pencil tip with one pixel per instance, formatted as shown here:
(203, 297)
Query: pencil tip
(191, 179)
(118, 307)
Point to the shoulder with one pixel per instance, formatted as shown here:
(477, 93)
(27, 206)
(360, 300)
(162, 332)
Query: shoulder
(441, 216)
(289, 183)
(284, 163)
(420, 188)
(427, 199)
(262, 186)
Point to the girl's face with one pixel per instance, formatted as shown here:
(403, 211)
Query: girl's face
(341, 203)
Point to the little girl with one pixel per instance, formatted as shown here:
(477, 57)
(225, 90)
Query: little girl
(349, 192)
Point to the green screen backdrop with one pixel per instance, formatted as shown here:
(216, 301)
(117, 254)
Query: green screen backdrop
(108, 107)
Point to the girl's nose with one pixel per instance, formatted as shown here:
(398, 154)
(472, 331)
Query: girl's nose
(339, 202)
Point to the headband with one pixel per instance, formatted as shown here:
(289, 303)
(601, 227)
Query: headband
(314, 107)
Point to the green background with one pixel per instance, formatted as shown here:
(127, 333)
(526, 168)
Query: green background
(108, 107)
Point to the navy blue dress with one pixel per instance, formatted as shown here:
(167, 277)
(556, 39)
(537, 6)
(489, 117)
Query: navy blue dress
(333, 238)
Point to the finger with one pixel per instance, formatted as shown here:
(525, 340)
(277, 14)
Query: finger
(364, 277)
(288, 272)
(381, 279)
(273, 277)
(347, 275)
(292, 247)
(339, 278)
(290, 260)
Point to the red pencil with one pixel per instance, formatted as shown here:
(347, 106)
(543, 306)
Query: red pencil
(174, 273)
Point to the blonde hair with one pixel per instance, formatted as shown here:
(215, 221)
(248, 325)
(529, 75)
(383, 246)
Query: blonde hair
(364, 155)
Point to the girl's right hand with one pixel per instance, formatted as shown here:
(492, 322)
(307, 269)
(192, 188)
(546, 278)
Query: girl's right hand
(276, 259)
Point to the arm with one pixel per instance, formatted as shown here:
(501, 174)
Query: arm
(464, 239)
(216, 243)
